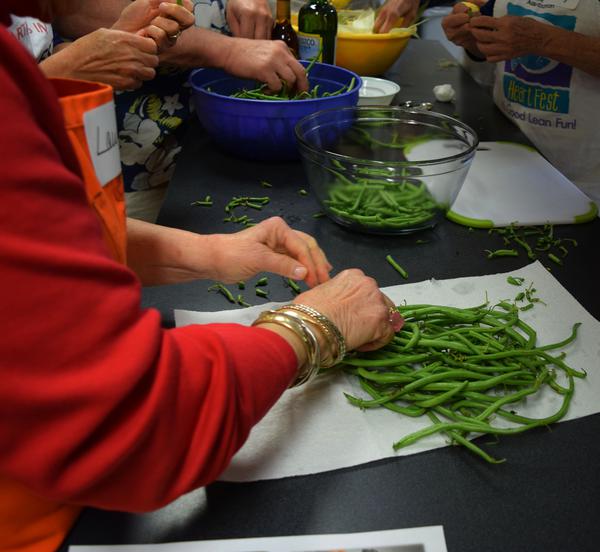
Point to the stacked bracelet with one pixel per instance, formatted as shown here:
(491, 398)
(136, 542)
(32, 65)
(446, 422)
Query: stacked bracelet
(335, 339)
(306, 335)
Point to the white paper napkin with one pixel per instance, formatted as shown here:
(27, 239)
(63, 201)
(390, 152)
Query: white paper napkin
(313, 428)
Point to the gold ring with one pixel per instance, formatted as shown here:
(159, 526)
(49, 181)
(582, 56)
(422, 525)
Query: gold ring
(175, 36)
(392, 311)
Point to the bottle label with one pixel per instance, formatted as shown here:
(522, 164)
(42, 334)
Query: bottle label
(310, 46)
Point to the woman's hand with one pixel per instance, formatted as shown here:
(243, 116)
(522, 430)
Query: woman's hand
(121, 59)
(249, 18)
(391, 11)
(508, 37)
(353, 302)
(161, 20)
(268, 61)
(457, 29)
(270, 246)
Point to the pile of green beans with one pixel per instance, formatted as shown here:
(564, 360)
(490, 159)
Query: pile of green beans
(376, 203)
(534, 241)
(463, 368)
(261, 93)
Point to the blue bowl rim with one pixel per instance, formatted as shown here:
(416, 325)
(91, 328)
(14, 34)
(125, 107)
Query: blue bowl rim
(250, 101)
(377, 163)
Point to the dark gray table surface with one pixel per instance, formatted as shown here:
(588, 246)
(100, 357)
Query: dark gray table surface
(546, 497)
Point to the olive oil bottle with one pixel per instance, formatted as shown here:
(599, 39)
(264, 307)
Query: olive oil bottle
(282, 29)
(317, 31)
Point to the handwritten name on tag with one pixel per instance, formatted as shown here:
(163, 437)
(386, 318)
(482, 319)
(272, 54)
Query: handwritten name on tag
(100, 126)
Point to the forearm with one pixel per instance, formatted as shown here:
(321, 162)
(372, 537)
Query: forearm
(163, 255)
(575, 49)
(89, 16)
(198, 47)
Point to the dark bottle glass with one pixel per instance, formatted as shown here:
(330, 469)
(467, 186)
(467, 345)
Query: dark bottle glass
(317, 31)
(282, 29)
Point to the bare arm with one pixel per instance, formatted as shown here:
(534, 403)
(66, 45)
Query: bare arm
(88, 16)
(162, 255)
(268, 61)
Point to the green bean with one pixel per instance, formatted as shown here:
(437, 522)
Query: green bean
(515, 281)
(220, 288)
(502, 253)
(396, 266)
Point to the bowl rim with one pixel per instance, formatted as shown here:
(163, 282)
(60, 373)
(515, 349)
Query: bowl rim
(373, 36)
(250, 101)
(394, 87)
(377, 163)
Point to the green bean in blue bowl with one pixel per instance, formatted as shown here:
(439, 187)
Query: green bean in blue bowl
(385, 170)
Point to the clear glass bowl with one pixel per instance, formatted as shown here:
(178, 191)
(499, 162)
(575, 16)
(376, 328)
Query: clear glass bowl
(385, 170)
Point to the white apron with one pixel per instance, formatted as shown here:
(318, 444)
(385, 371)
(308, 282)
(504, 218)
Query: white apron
(555, 105)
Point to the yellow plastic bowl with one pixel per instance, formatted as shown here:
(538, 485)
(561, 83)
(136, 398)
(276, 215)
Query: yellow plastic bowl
(369, 54)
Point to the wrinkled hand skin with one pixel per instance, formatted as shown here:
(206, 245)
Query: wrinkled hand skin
(457, 29)
(118, 58)
(249, 18)
(270, 246)
(268, 61)
(156, 19)
(356, 305)
(508, 37)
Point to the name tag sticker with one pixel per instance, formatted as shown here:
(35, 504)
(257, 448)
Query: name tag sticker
(100, 126)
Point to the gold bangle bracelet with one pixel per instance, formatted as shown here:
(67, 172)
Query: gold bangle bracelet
(306, 335)
(329, 329)
(331, 352)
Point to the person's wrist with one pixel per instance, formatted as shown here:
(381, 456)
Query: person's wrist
(332, 342)
(303, 332)
(292, 339)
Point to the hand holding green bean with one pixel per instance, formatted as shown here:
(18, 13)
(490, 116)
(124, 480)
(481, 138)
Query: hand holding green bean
(355, 304)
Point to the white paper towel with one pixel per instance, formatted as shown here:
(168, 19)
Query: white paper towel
(313, 428)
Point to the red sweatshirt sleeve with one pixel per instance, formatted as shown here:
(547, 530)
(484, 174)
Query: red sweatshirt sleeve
(98, 404)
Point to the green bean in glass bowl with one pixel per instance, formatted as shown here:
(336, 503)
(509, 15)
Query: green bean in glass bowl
(385, 170)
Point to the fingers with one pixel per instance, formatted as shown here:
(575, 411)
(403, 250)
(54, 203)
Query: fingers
(390, 323)
(383, 23)
(300, 78)
(316, 261)
(181, 15)
(287, 70)
(247, 27)
(300, 257)
(483, 22)
(169, 26)
(158, 35)
(234, 25)
(145, 46)
(262, 28)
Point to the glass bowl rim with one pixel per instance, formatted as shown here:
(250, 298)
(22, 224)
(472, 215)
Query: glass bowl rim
(378, 163)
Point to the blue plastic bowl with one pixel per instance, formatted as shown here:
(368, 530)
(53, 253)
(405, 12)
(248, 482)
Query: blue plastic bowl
(263, 129)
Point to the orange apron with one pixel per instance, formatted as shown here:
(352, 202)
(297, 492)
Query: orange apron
(29, 523)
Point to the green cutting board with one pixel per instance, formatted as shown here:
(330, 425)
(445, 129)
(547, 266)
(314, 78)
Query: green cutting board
(510, 183)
